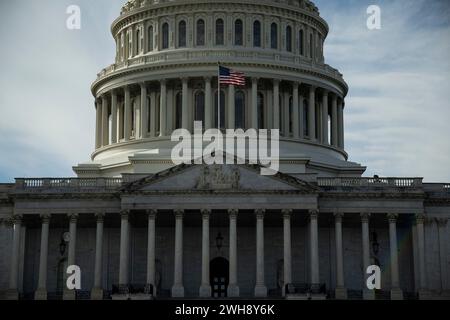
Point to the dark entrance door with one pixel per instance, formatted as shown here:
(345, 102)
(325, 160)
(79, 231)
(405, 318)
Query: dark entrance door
(219, 273)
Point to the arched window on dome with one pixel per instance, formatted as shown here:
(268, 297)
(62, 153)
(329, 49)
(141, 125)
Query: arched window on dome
(150, 35)
(182, 34)
(179, 110)
(301, 42)
(199, 111)
(220, 29)
(261, 112)
(240, 110)
(289, 38)
(200, 34)
(165, 36)
(137, 42)
(222, 109)
(238, 33)
(274, 36)
(257, 34)
(305, 118)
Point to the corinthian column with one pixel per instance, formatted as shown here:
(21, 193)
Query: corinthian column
(341, 291)
(41, 292)
(114, 117)
(71, 256)
(233, 288)
(334, 123)
(97, 291)
(260, 288)
(396, 292)
(254, 124)
(231, 108)
(276, 104)
(124, 252)
(163, 109)
(105, 121)
(127, 114)
(287, 248)
(98, 125)
(208, 104)
(184, 104)
(205, 289)
(423, 292)
(314, 243)
(367, 294)
(151, 252)
(13, 292)
(312, 113)
(296, 111)
(325, 118)
(178, 287)
(144, 111)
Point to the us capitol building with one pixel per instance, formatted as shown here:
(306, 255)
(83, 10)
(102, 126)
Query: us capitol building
(140, 227)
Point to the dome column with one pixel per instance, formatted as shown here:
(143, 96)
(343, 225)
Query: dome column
(334, 123)
(295, 111)
(163, 109)
(208, 104)
(231, 107)
(276, 104)
(185, 107)
(254, 123)
(127, 114)
(105, 121)
(340, 111)
(312, 113)
(325, 112)
(98, 125)
(113, 116)
(144, 111)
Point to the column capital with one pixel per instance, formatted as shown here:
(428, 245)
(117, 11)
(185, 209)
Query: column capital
(163, 81)
(392, 217)
(325, 92)
(420, 218)
(260, 213)
(365, 216)
(206, 213)
(17, 218)
(179, 213)
(296, 85)
(124, 214)
(100, 216)
(287, 213)
(73, 217)
(184, 79)
(233, 213)
(276, 81)
(45, 217)
(151, 213)
(312, 88)
(255, 79)
(207, 79)
(314, 214)
(338, 216)
(441, 222)
(8, 222)
(143, 85)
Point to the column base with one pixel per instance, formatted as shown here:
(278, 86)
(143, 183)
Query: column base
(341, 293)
(97, 294)
(368, 294)
(260, 291)
(424, 294)
(396, 294)
(40, 295)
(69, 295)
(233, 291)
(205, 291)
(177, 292)
(12, 294)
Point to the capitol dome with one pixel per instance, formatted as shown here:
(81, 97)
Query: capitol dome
(165, 77)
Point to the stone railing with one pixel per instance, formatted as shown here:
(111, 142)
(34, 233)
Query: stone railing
(214, 55)
(370, 182)
(437, 187)
(67, 183)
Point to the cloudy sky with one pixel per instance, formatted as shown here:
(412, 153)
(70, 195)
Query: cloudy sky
(397, 110)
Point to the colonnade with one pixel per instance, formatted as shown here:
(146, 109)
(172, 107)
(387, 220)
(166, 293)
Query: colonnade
(205, 286)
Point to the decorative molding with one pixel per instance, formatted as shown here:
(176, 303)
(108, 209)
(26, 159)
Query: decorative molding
(233, 213)
(260, 213)
(313, 214)
(392, 217)
(365, 217)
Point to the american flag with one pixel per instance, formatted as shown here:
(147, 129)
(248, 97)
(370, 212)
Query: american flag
(231, 77)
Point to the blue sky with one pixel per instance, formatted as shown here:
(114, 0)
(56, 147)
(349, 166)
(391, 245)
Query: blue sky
(397, 110)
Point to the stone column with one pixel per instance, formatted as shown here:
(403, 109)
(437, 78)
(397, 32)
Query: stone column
(97, 291)
(423, 292)
(98, 125)
(127, 115)
(124, 252)
(233, 288)
(71, 255)
(208, 104)
(396, 292)
(153, 106)
(312, 113)
(441, 224)
(276, 104)
(205, 288)
(13, 292)
(178, 288)
(314, 243)
(341, 124)
(325, 118)
(163, 109)
(41, 292)
(367, 294)
(260, 288)
(334, 123)
(105, 121)
(341, 291)
(185, 107)
(151, 250)
(301, 125)
(287, 252)
(231, 108)
(113, 116)
(254, 123)
(296, 111)
(144, 111)
(286, 115)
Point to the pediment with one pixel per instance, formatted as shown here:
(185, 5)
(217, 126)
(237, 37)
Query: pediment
(218, 178)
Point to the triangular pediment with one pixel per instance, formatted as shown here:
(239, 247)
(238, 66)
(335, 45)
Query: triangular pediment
(218, 178)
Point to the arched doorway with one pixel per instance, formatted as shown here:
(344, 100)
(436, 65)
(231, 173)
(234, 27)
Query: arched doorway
(219, 273)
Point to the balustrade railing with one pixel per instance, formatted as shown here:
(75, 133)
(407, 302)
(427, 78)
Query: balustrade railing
(370, 182)
(68, 183)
